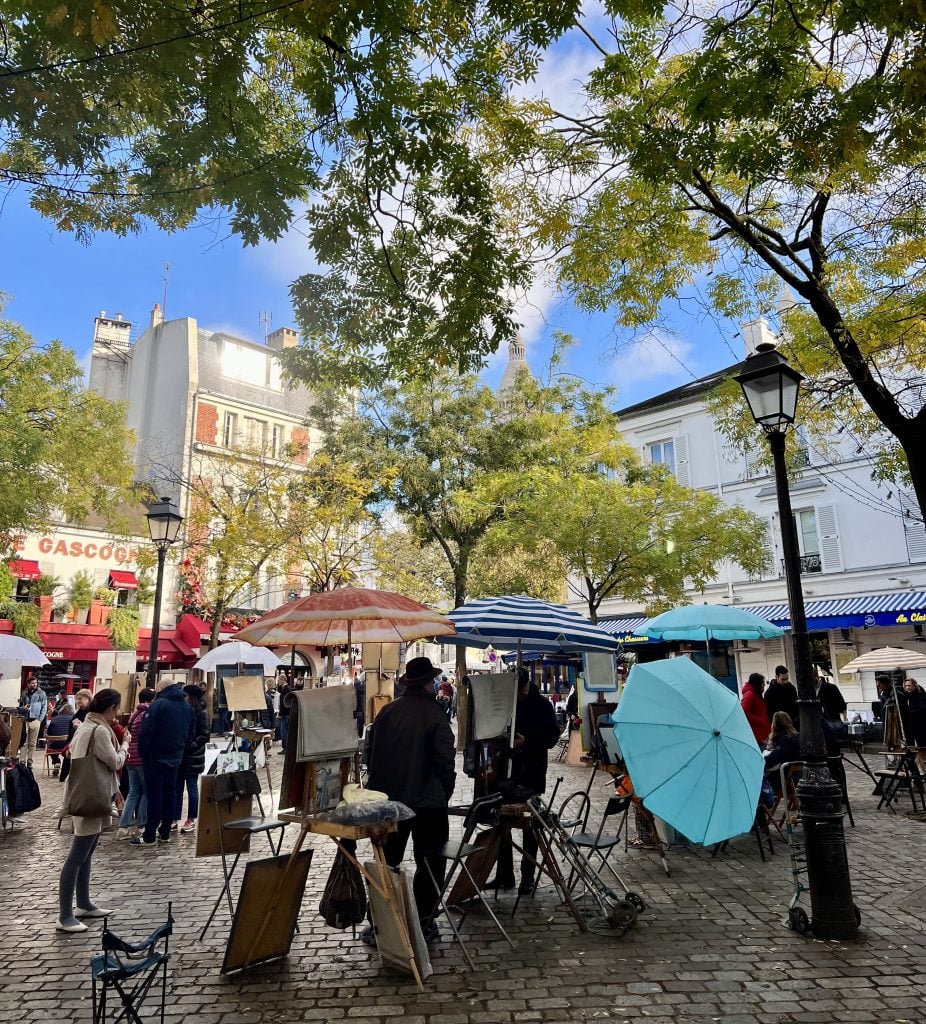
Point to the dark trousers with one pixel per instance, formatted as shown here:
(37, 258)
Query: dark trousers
(428, 830)
(504, 870)
(161, 787)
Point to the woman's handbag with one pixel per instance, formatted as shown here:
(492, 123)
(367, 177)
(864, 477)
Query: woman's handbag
(88, 794)
(236, 785)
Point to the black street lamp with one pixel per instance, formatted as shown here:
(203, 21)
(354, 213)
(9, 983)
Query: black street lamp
(771, 387)
(164, 521)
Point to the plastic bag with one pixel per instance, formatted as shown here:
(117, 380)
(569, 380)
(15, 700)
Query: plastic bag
(368, 813)
(344, 901)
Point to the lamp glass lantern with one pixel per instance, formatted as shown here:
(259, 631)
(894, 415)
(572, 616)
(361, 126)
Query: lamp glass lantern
(164, 521)
(771, 387)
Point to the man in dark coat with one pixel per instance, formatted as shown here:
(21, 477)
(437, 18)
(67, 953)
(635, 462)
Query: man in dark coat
(194, 761)
(781, 695)
(535, 733)
(410, 756)
(166, 735)
(831, 699)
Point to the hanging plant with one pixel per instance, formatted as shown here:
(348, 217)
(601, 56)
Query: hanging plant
(122, 626)
(25, 617)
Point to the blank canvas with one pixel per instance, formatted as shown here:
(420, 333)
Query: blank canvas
(244, 693)
(326, 723)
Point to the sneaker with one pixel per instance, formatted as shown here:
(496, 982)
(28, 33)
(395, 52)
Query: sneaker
(430, 932)
(163, 842)
(175, 826)
(368, 937)
(75, 926)
(124, 833)
(502, 884)
(526, 888)
(140, 841)
(93, 912)
(188, 826)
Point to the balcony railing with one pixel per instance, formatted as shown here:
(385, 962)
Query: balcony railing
(808, 564)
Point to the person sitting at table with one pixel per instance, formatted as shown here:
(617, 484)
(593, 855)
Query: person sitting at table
(784, 745)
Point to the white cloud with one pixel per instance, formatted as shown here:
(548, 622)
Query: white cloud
(658, 358)
(289, 256)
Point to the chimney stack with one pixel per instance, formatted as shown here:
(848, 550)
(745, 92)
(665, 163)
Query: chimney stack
(283, 337)
(756, 333)
(157, 317)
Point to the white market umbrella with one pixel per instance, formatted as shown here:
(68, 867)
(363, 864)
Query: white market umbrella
(18, 648)
(886, 659)
(238, 652)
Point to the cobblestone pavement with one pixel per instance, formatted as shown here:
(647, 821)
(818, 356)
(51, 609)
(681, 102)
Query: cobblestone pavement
(710, 947)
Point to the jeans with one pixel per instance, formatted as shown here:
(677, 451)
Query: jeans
(190, 782)
(75, 877)
(136, 803)
(32, 735)
(428, 830)
(284, 730)
(161, 786)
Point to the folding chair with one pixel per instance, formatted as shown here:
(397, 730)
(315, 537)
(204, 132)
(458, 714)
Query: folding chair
(482, 811)
(132, 976)
(55, 746)
(599, 843)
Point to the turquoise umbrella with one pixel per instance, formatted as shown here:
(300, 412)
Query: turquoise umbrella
(689, 750)
(709, 622)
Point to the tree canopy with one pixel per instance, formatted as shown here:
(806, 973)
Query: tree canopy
(64, 450)
(721, 150)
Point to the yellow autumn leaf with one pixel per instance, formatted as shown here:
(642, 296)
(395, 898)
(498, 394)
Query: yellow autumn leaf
(56, 15)
(103, 27)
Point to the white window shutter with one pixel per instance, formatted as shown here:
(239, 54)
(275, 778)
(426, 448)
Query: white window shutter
(913, 527)
(828, 529)
(682, 469)
(769, 539)
(753, 453)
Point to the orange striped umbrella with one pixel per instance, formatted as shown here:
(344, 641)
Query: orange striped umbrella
(352, 615)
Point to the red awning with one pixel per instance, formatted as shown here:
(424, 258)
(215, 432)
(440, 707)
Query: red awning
(168, 649)
(119, 580)
(25, 569)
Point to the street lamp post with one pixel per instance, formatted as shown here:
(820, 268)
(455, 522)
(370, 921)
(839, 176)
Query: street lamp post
(771, 387)
(164, 521)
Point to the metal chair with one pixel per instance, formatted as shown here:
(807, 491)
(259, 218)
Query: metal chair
(482, 811)
(132, 975)
(599, 843)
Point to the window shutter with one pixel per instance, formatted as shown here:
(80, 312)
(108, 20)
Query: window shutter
(753, 453)
(682, 473)
(827, 527)
(913, 527)
(769, 539)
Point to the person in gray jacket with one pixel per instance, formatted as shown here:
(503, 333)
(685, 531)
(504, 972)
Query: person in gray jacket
(410, 757)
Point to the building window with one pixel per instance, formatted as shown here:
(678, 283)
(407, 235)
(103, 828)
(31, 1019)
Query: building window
(255, 433)
(802, 447)
(278, 440)
(230, 430)
(808, 540)
(662, 453)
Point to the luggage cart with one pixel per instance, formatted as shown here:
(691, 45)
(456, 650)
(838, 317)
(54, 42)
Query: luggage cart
(619, 910)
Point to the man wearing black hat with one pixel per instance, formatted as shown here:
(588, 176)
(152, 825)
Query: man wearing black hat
(410, 757)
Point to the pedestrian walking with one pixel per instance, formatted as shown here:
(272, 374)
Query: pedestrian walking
(781, 695)
(96, 785)
(754, 706)
(166, 733)
(34, 703)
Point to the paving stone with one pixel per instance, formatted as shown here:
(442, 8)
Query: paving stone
(710, 947)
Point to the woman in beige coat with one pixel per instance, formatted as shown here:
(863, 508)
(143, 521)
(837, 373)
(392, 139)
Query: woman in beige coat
(96, 739)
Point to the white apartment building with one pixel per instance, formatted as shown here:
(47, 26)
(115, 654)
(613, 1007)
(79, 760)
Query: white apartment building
(193, 395)
(862, 544)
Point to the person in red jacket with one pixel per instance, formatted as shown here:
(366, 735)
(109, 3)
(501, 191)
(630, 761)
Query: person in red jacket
(755, 708)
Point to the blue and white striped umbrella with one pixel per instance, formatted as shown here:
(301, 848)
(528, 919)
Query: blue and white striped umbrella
(503, 622)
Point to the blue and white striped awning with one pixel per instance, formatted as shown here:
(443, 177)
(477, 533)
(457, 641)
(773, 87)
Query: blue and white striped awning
(865, 611)
(503, 622)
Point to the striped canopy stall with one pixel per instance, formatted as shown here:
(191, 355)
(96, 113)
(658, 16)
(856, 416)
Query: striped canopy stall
(504, 622)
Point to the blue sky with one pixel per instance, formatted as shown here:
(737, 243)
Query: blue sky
(58, 285)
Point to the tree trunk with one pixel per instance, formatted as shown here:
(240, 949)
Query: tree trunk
(460, 571)
(218, 613)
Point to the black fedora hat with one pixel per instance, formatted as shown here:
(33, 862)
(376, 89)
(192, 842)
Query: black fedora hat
(419, 670)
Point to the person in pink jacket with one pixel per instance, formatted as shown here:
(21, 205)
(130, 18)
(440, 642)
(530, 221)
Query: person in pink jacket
(755, 708)
(136, 803)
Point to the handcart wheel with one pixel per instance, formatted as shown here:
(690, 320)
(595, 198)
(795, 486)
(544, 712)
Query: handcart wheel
(636, 899)
(798, 920)
(622, 915)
